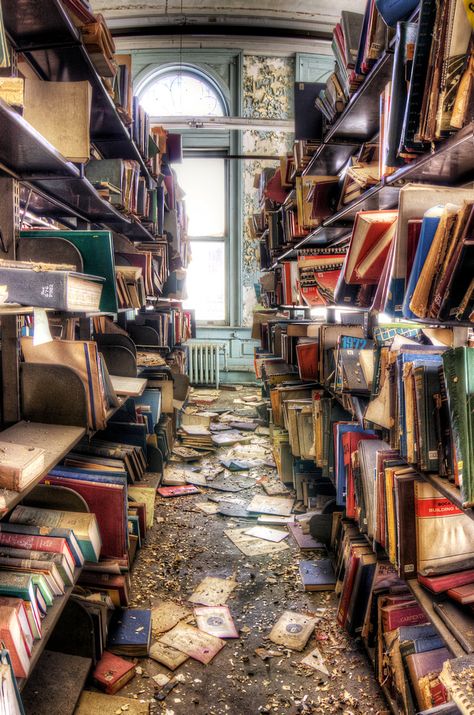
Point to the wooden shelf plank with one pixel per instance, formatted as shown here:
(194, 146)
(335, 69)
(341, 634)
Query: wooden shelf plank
(56, 440)
(48, 625)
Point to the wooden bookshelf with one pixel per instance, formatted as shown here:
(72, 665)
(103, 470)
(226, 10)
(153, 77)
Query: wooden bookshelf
(56, 440)
(48, 624)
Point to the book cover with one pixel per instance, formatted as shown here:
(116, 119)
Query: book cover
(130, 632)
(317, 575)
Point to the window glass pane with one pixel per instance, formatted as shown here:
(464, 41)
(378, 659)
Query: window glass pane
(203, 181)
(179, 93)
(205, 281)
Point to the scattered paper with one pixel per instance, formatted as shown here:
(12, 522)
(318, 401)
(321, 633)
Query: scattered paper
(264, 532)
(216, 620)
(280, 506)
(196, 644)
(170, 657)
(250, 546)
(207, 507)
(168, 492)
(315, 660)
(42, 333)
(213, 591)
(166, 614)
(293, 630)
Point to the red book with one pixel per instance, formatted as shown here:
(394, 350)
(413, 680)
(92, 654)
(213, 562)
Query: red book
(406, 614)
(307, 355)
(462, 594)
(350, 443)
(19, 605)
(349, 579)
(438, 584)
(108, 503)
(274, 190)
(369, 228)
(113, 672)
(33, 542)
(12, 636)
(177, 491)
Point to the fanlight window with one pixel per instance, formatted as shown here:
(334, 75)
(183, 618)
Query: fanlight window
(182, 92)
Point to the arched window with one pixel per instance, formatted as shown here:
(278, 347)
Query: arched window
(181, 91)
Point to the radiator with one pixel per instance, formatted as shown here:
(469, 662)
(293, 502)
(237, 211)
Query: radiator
(204, 361)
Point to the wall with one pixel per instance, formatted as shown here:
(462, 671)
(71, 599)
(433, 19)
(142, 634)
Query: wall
(267, 92)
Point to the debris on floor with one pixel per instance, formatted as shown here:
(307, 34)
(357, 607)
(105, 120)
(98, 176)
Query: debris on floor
(233, 632)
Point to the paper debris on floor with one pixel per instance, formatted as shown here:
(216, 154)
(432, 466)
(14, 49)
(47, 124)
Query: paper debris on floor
(161, 679)
(235, 484)
(166, 614)
(293, 630)
(244, 425)
(207, 507)
(195, 430)
(224, 439)
(270, 520)
(168, 492)
(219, 427)
(173, 477)
(216, 620)
(197, 479)
(237, 511)
(280, 506)
(304, 541)
(213, 591)
(266, 533)
(316, 661)
(170, 657)
(100, 704)
(187, 454)
(190, 640)
(251, 546)
(236, 465)
(273, 487)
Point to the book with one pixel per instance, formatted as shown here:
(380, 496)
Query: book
(459, 620)
(112, 672)
(72, 552)
(462, 594)
(46, 286)
(317, 575)
(456, 676)
(422, 667)
(439, 584)
(83, 524)
(45, 101)
(19, 465)
(368, 235)
(444, 533)
(130, 632)
(12, 638)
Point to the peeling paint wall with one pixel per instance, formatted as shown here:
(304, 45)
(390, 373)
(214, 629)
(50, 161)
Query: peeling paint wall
(267, 92)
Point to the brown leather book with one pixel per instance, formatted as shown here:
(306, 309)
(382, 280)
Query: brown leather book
(421, 665)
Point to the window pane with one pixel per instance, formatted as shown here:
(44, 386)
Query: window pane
(203, 181)
(205, 281)
(181, 94)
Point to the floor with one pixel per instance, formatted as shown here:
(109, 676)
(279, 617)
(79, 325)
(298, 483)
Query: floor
(186, 545)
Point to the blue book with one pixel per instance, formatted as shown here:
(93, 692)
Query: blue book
(152, 398)
(428, 229)
(393, 11)
(130, 632)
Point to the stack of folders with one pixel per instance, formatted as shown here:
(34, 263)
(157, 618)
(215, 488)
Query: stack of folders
(40, 550)
(83, 358)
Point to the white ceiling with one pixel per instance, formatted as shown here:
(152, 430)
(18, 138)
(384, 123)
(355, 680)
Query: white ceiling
(302, 15)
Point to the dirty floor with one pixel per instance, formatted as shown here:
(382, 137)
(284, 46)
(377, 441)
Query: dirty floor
(184, 546)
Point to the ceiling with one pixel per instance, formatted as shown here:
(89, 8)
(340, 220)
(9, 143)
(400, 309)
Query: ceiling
(299, 19)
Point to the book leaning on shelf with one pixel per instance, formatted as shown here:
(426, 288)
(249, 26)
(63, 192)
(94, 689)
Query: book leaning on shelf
(49, 286)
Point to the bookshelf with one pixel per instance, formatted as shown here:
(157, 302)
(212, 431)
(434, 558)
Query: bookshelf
(56, 440)
(49, 622)
(451, 163)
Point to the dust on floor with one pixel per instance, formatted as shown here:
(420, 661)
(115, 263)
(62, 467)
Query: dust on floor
(184, 546)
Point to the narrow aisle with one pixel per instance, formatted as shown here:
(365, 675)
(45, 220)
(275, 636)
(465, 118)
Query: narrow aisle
(250, 674)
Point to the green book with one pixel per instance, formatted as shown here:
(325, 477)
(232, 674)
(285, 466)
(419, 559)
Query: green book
(459, 372)
(97, 251)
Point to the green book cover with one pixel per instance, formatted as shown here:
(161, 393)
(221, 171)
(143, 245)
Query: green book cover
(459, 372)
(97, 251)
